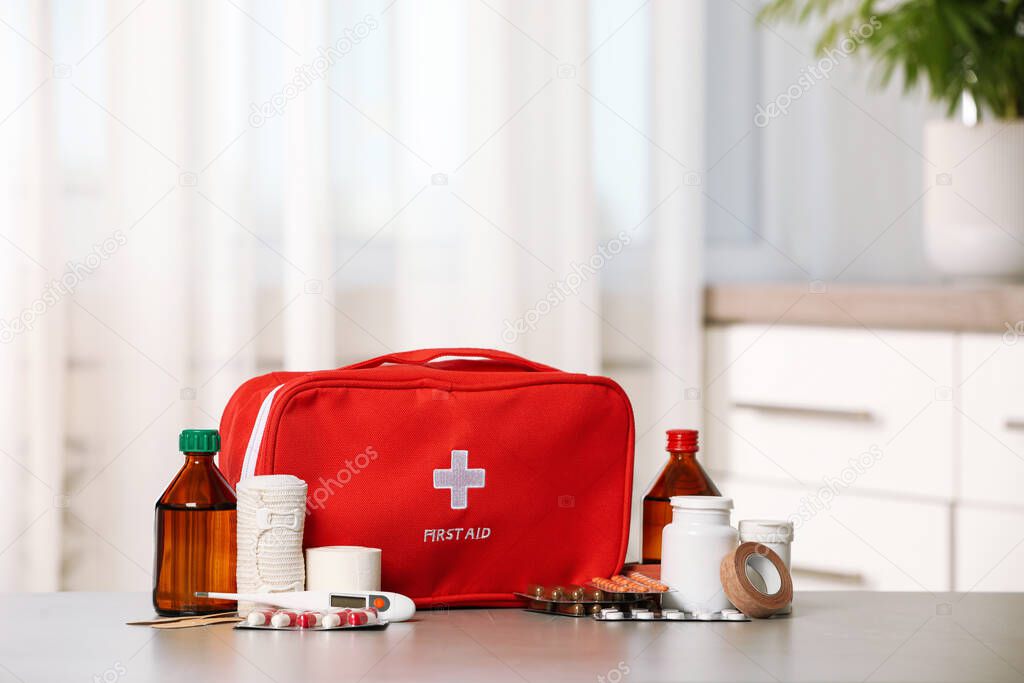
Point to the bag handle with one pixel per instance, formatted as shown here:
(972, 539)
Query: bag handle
(424, 356)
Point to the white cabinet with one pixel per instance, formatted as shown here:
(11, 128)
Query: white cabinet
(799, 403)
(847, 541)
(906, 447)
(990, 549)
(992, 419)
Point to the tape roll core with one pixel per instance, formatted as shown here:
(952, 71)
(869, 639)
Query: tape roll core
(742, 593)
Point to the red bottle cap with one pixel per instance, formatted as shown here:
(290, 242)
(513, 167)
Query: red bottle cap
(682, 441)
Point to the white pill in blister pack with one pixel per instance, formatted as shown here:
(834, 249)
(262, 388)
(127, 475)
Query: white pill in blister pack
(284, 619)
(259, 617)
(644, 614)
(311, 620)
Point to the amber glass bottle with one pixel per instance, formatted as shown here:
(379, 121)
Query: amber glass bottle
(195, 532)
(682, 476)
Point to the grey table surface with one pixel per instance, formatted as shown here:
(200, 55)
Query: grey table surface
(848, 636)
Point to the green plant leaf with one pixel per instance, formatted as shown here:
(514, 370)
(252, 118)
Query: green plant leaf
(955, 46)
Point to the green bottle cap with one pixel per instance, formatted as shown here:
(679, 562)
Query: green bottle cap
(199, 441)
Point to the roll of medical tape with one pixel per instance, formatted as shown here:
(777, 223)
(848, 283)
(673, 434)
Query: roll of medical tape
(742, 593)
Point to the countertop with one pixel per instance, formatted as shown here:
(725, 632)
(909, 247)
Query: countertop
(986, 308)
(848, 636)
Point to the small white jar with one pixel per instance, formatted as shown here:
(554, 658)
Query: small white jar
(692, 548)
(776, 535)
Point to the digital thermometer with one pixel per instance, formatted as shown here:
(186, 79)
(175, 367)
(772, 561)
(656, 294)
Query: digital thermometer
(390, 606)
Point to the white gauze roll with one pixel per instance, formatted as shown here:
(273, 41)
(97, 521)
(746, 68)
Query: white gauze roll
(271, 518)
(340, 568)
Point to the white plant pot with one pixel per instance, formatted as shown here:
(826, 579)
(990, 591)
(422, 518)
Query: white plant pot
(974, 211)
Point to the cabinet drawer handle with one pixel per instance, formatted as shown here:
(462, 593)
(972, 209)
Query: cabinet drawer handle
(852, 415)
(1015, 423)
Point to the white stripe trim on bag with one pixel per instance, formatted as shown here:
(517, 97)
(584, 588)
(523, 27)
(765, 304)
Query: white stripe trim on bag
(252, 451)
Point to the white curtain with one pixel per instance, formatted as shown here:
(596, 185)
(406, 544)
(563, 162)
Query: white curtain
(32, 343)
(254, 185)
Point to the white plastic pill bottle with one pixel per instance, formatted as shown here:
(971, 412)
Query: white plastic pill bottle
(692, 548)
(776, 535)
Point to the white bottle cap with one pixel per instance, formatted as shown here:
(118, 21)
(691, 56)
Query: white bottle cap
(766, 531)
(701, 502)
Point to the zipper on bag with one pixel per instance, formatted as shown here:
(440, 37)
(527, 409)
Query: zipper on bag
(252, 450)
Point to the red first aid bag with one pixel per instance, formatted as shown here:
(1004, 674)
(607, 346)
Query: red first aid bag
(475, 475)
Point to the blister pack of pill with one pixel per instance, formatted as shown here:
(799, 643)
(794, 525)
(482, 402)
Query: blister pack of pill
(572, 600)
(631, 583)
(568, 593)
(292, 620)
(645, 613)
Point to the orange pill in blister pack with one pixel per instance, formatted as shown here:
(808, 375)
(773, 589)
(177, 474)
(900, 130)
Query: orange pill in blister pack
(651, 583)
(621, 585)
(606, 584)
(634, 586)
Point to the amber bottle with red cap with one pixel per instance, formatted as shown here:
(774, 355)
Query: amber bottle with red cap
(682, 476)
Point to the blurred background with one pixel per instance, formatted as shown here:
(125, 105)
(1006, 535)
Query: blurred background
(683, 195)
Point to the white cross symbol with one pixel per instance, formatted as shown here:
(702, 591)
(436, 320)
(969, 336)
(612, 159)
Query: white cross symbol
(459, 478)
